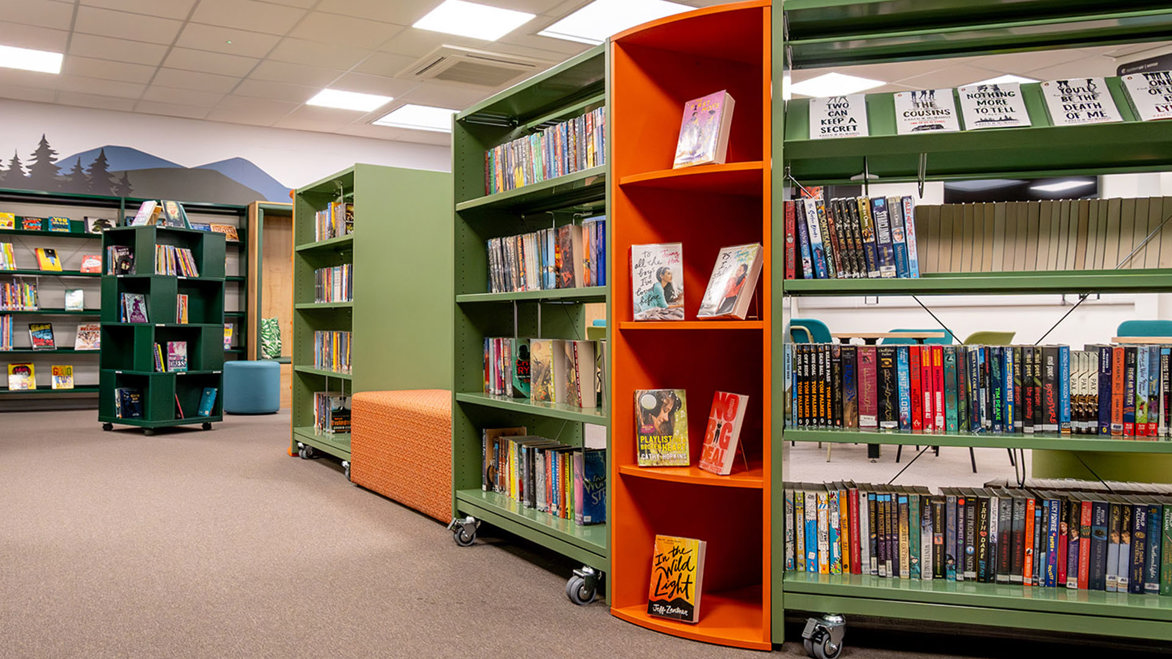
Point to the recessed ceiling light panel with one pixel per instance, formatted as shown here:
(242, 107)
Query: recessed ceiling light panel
(419, 117)
(1061, 186)
(833, 84)
(1001, 80)
(600, 19)
(26, 59)
(343, 100)
(469, 19)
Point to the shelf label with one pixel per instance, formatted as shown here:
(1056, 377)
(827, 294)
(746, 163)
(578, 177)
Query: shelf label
(838, 116)
(1151, 93)
(925, 110)
(1080, 101)
(993, 106)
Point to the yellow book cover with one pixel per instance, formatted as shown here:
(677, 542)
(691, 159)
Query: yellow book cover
(661, 418)
(21, 377)
(677, 576)
(62, 377)
(8, 221)
(47, 259)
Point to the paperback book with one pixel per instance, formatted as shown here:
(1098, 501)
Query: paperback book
(1079, 101)
(98, 224)
(1149, 93)
(925, 110)
(74, 299)
(59, 224)
(89, 337)
(207, 401)
(838, 116)
(733, 282)
(677, 578)
(21, 377)
(722, 435)
(176, 355)
(704, 131)
(134, 308)
(657, 280)
(661, 417)
(62, 377)
(41, 336)
(993, 106)
(48, 260)
(128, 403)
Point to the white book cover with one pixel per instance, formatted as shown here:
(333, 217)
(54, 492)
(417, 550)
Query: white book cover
(926, 110)
(657, 281)
(1151, 93)
(74, 299)
(838, 116)
(734, 278)
(1079, 101)
(993, 106)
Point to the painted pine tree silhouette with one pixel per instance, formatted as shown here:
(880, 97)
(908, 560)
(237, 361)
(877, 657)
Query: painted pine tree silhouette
(42, 170)
(98, 177)
(122, 187)
(15, 175)
(73, 179)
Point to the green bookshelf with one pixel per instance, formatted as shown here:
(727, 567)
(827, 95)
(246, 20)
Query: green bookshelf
(568, 90)
(400, 340)
(168, 398)
(818, 33)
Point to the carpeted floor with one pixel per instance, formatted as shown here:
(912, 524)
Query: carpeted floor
(217, 543)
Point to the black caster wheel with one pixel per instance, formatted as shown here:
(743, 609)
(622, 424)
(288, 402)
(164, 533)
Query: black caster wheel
(346, 469)
(580, 593)
(149, 432)
(464, 538)
(107, 427)
(206, 425)
(822, 637)
(464, 530)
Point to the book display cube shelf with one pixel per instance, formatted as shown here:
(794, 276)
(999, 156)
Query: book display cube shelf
(827, 33)
(401, 336)
(656, 68)
(566, 91)
(169, 398)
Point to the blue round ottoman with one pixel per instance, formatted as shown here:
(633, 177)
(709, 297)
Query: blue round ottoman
(252, 387)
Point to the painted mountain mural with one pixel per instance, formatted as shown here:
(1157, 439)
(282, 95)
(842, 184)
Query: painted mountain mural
(124, 171)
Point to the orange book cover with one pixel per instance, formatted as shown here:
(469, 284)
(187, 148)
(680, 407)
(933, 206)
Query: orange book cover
(723, 431)
(677, 576)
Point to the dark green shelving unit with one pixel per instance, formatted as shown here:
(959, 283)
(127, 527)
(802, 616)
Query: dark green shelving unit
(127, 356)
(570, 89)
(821, 33)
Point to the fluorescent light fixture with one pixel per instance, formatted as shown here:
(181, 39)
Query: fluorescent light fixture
(1001, 80)
(600, 19)
(41, 61)
(419, 117)
(336, 98)
(1061, 186)
(469, 19)
(833, 84)
(787, 84)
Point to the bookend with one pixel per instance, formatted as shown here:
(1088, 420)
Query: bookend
(822, 637)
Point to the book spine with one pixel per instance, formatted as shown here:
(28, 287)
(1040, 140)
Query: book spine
(1139, 535)
(915, 370)
(983, 564)
(1165, 394)
(811, 532)
(1097, 572)
(888, 388)
(1004, 538)
(1130, 367)
(1064, 390)
(1050, 389)
(823, 532)
(920, 532)
(926, 383)
(951, 418)
(996, 388)
(850, 387)
(830, 232)
(1017, 569)
(834, 528)
(1117, 386)
(1103, 409)
(870, 250)
(804, 240)
(1153, 391)
(1084, 545)
(844, 529)
(883, 237)
(909, 224)
(1123, 566)
(1027, 568)
(1152, 552)
(950, 526)
(903, 382)
(790, 531)
(1166, 551)
(938, 410)
(962, 388)
(971, 538)
(799, 524)
(1141, 391)
(908, 538)
(898, 237)
(817, 248)
(856, 547)
(873, 533)
(1053, 514)
(790, 241)
(882, 535)
(1039, 544)
(836, 385)
(1114, 529)
(1074, 541)
(939, 559)
(868, 388)
(1007, 393)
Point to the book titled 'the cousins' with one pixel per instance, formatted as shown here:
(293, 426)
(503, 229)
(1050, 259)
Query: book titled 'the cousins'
(661, 420)
(704, 130)
(677, 576)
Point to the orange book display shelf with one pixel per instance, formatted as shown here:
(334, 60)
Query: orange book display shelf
(655, 69)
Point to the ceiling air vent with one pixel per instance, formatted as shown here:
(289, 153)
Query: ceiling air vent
(472, 67)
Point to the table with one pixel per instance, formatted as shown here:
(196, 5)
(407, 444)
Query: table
(870, 338)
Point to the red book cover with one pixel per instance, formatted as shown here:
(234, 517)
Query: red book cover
(917, 394)
(926, 388)
(868, 388)
(1084, 546)
(937, 387)
(1116, 392)
(1027, 569)
(856, 551)
(790, 248)
(724, 429)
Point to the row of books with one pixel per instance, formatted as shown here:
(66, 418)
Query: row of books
(19, 295)
(851, 238)
(13, 222)
(171, 260)
(47, 258)
(1033, 536)
(545, 475)
(661, 430)
(7, 257)
(89, 336)
(570, 256)
(563, 148)
(1052, 235)
(1122, 391)
(334, 221)
(128, 403)
(173, 359)
(331, 350)
(548, 370)
(335, 284)
(657, 282)
(23, 377)
(331, 413)
(119, 260)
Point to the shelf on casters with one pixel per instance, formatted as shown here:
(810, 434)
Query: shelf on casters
(337, 442)
(80, 389)
(734, 178)
(321, 371)
(990, 283)
(1003, 596)
(753, 478)
(581, 186)
(340, 243)
(691, 325)
(592, 538)
(585, 294)
(537, 408)
(1043, 441)
(149, 423)
(733, 617)
(53, 312)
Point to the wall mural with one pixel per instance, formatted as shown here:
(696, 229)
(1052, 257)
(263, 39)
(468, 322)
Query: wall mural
(123, 171)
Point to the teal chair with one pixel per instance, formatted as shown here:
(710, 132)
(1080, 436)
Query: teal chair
(947, 339)
(1145, 328)
(809, 330)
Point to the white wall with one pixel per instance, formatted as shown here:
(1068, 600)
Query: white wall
(293, 157)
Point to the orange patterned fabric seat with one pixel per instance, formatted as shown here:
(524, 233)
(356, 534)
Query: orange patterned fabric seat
(401, 447)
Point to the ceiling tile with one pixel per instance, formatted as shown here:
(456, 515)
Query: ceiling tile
(169, 9)
(195, 81)
(330, 28)
(124, 25)
(27, 79)
(304, 4)
(107, 70)
(119, 50)
(275, 90)
(176, 96)
(952, 76)
(30, 36)
(385, 64)
(171, 109)
(255, 111)
(418, 43)
(95, 101)
(226, 40)
(1083, 68)
(319, 119)
(14, 92)
(57, 15)
(247, 15)
(298, 74)
(101, 87)
(209, 62)
(371, 84)
(402, 13)
(334, 56)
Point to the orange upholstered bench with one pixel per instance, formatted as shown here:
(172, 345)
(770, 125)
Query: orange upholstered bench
(401, 447)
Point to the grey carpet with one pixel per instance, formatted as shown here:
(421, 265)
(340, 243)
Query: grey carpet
(217, 543)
